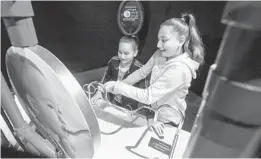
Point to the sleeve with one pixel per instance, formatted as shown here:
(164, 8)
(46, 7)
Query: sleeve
(141, 73)
(147, 80)
(131, 102)
(108, 73)
(141, 84)
(170, 80)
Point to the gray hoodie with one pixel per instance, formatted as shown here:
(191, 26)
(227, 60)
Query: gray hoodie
(169, 84)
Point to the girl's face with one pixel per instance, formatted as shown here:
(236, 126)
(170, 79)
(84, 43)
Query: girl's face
(126, 52)
(169, 41)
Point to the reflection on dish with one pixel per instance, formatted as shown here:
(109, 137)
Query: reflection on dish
(54, 101)
(42, 102)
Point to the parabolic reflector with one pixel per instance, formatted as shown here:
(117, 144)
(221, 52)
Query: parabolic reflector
(54, 100)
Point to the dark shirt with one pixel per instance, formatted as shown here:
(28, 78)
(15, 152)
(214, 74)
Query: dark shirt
(111, 74)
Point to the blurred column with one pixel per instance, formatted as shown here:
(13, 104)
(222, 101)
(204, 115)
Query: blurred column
(229, 115)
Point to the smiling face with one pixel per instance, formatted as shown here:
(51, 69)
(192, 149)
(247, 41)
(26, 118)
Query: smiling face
(169, 42)
(126, 52)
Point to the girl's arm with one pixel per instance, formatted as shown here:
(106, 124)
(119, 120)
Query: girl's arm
(108, 73)
(170, 80)
(106, 77)
(141, 73)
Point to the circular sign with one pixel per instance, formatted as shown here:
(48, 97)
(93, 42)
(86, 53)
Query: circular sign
(54, 100)
(130, 17)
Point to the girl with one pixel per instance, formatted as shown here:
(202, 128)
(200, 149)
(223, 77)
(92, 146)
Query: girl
(172, 67)
(119, 67)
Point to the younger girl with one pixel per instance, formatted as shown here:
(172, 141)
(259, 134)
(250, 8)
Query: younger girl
(172, 67)
(119, 67)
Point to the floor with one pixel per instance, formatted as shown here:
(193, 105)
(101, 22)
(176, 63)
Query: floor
(193, 100)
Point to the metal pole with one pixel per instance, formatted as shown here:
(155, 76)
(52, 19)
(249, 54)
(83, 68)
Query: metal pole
(31, 140)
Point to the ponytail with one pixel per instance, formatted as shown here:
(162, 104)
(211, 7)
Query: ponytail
(137, 41)
(193, 45)
(136, 38)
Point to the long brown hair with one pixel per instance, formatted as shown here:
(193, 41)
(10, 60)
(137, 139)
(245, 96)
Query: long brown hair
(186, 26)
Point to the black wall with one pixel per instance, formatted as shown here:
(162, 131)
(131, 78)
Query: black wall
(84, 35)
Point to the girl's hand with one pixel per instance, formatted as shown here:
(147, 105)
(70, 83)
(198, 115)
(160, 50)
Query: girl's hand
(109, 86)
(96, 97)
(100, 89)
(158, 127)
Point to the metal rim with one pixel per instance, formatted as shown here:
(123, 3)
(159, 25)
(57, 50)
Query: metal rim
(44, 58)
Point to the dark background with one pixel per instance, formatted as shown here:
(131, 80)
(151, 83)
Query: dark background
(84, 35)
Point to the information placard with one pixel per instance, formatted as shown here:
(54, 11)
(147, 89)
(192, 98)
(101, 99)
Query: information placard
(130, 17)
